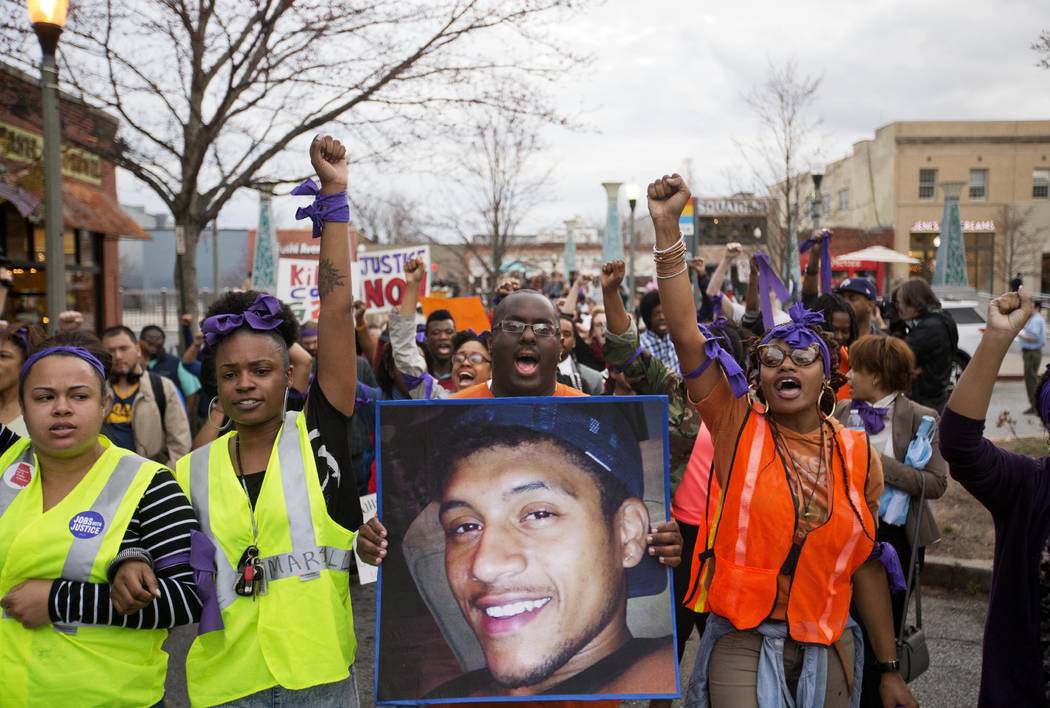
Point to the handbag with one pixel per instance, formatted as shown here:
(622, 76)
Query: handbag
(912, 652)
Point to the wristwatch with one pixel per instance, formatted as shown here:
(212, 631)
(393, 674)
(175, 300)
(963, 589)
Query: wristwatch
(887, 667)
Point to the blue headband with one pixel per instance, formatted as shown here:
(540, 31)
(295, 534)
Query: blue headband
(802, 331)
(78, 352)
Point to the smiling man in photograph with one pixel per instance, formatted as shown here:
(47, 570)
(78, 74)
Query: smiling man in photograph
(551, 616)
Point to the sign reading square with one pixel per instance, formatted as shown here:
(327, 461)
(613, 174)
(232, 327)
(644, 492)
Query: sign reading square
(518, 566)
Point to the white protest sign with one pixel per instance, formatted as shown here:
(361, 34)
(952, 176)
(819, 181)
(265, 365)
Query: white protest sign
(365, 572)
(380, 277)
(297, 286)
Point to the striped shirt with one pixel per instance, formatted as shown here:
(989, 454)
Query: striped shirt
(159, 531)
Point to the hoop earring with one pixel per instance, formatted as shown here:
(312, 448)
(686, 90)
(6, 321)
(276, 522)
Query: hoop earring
(826, 390)
(229, 421)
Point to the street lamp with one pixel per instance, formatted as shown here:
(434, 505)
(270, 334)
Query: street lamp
(48, 18)
(633, 191)
(818, 200)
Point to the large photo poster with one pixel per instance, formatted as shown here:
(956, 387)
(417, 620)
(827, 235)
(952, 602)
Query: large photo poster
(518, 565)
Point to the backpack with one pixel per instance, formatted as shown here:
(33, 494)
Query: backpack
(158, 394)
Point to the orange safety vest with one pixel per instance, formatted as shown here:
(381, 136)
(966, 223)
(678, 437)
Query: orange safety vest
(750, 540)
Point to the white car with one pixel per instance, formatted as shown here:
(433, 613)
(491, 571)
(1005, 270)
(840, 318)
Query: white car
(969, 319)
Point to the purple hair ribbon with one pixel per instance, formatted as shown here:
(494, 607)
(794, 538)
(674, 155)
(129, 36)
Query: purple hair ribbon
(802, 331)
(769, 282)
(887, 555)
(714, 351)
(308, 332)
(78, 352)
(421, 333)
(825, 258)
(1043, 400)
(630, 360)
(263, 315)
(325, 208)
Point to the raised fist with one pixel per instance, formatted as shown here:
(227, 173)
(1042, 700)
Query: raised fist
(70, 321)
(733, 250)
(697, 264)
(359, 311)
(328, 157)
(667, 198)
(414, 272)
(1009, 313)
(185, 319)
(612, 275)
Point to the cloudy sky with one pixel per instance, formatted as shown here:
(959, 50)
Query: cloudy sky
(668, 80)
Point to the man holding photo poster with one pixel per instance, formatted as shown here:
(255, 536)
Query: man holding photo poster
(525, 351)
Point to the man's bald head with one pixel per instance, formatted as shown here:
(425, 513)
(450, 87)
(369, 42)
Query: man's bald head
(514, 301)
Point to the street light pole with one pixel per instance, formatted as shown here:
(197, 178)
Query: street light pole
(48, 18)
(633, 191)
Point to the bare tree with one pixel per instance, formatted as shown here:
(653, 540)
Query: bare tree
(781, 155)
(1042, 47)
(391, 218)
(210, 94)
(1018, 243)
(500, 178)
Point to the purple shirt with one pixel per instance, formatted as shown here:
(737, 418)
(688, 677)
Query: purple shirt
(1016, 490)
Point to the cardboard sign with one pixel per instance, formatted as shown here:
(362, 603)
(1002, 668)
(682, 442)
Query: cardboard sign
(366, 573)
(467, 312)
(380, 277)
(297, 286)
(492, 582)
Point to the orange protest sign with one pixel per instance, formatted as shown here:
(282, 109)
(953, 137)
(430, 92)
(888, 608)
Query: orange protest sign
(467, 312)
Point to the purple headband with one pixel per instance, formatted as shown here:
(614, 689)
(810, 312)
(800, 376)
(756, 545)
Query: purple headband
(326, 207)
(308, 332)
(1043, 400)
(714, 351)
(802, 331)
(78, 352)
(21, 335)
(263, 315)
(825, 258)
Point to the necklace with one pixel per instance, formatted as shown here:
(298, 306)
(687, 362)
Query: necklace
(251, 579)
(806, 512)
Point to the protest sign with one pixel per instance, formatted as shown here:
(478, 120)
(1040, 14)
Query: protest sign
(514, 525)
(380, 276)
(467, 312)
(366, 573)
(297, 286)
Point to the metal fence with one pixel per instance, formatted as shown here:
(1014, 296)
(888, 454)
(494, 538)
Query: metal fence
(158, 307)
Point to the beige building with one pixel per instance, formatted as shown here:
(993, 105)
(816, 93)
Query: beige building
(894, 179)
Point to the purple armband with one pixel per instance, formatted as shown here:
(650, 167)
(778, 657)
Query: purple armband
(887, 555)
(326, 207)
(630, 360)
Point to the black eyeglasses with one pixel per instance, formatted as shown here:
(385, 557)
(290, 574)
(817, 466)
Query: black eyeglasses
(771, 356)
(540, 329)
(474, 358)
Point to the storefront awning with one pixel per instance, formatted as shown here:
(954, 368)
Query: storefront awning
(88, 208)
(24, 202)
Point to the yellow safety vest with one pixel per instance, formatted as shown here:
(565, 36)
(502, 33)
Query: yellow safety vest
(300, 633)
(82, 665)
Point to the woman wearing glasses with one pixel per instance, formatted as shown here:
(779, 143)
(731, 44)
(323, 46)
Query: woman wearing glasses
(793, 502)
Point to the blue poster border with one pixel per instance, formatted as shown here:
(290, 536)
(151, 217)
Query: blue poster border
(545, 401)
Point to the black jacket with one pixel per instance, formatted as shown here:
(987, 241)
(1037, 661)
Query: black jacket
(933, 337)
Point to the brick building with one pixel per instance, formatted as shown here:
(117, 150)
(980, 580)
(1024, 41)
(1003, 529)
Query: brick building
(92, 218)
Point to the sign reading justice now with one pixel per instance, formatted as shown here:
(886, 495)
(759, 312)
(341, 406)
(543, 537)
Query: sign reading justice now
(378, 281)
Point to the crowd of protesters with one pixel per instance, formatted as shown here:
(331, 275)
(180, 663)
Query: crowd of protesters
(797, 421)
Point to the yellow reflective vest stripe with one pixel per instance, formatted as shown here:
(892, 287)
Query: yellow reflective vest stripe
(300, 633)
(82, 665)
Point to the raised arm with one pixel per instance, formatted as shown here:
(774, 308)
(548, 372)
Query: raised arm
(617, 320)
(302, 367)
(719, 276)
(336, 346)
(364, 334)
(811, 280)
(1007, 315)
(667, 198)
(569, 308)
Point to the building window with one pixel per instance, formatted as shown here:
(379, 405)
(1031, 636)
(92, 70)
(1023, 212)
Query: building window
(979, 184)
(843, 199)
(927, 184)
(1040, 184)
(827, 204)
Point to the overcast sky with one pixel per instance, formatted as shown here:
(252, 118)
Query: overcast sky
(668, 79)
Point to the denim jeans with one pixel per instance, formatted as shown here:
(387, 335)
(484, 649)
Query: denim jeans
(341, 694)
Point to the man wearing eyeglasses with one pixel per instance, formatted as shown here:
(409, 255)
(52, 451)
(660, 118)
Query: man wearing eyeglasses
(525, 348)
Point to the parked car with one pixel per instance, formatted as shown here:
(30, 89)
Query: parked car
(969, 319)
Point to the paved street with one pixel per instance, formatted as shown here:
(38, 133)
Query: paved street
(954, 623)
(1010, 396)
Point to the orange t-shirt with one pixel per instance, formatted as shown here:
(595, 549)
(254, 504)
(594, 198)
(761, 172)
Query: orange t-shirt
(723, 414)
(482, 390)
